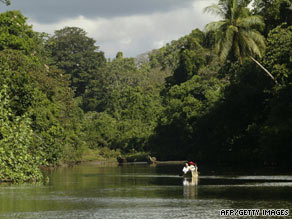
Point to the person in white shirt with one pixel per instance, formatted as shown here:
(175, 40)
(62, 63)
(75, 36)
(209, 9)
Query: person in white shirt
(186, 168)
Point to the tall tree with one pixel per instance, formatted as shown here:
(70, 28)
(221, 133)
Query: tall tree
(16, 34)
(77, 55)
(237, 33)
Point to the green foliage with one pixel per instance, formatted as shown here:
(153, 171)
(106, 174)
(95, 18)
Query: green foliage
(129, 105)
(40, 103)
(18, 162)
(278, 54)
(191, 58)
(127, 123)
(118, 74)
(168, 57)
(18, 71)
(137, 157)
(230, 131)
(78, 56)
(185, 104)
(276, 134)
(274, 12)
(100, 154)
(16, 34)
(100, 129)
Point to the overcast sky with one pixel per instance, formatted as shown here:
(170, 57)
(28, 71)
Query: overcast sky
(130, 26)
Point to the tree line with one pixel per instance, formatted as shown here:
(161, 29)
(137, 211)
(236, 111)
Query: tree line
(220, 95)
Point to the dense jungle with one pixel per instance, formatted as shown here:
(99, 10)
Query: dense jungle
(221, 95)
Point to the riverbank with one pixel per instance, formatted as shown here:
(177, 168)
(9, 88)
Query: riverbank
(105, 155)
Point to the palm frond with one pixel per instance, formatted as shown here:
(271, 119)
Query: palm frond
(214, 26)
(215, 9)
(251, 21)
(255, 50)
(257, 42)
(225, 50)
(237, 33)
(251, 47)
(258, 38)
(227, 43)
(218, 46)
(237, 50)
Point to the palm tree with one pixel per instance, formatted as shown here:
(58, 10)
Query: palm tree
(236, 34)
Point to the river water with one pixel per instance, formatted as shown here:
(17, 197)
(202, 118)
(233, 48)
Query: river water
(143, 191)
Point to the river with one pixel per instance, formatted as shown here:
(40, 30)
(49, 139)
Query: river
(143, 191)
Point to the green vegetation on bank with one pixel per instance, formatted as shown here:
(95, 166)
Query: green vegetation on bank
(220, 95)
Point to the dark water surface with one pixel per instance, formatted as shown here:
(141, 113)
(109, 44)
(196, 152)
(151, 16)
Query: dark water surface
(143, 191)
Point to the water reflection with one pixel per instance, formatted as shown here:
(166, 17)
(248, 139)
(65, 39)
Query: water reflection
(190, 187)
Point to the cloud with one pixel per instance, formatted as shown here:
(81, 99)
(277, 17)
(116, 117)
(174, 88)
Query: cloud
(135, 34)
(49, 11)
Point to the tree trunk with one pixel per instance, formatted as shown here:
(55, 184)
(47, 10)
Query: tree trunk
(262, 67)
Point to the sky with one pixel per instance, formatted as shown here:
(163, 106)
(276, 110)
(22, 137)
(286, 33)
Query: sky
(130, 26)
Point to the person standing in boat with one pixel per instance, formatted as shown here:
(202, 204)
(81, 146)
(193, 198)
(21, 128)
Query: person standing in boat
(192, 165)
(194, 169)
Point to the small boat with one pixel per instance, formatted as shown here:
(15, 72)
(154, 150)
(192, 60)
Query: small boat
(153, 160)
